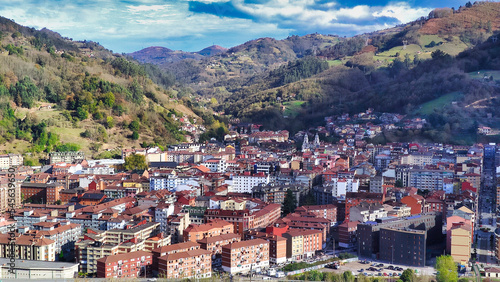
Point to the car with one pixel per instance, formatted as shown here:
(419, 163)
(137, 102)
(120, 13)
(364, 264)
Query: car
(380, 265)
(385, 274)
(361, 270)
(374, 264)
(390, 267)
(379, 274)
(390, 274)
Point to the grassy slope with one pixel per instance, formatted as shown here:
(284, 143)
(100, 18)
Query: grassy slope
(439, 103)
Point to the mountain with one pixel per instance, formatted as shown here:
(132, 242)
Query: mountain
(212, 50)
(60, 94)
(155, 55)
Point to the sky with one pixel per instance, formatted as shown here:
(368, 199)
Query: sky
(191, 25)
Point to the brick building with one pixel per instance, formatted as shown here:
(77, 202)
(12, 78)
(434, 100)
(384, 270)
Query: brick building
(129, 265)
(242, 256)
(213, 228)
(189, 264)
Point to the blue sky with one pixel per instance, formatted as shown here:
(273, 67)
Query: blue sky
(191, 25)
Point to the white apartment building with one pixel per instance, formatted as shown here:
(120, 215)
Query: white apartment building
(244, 183)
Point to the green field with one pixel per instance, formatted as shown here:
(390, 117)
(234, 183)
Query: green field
(482, 73)
(438, 103)
(333, 63)
(292, 108)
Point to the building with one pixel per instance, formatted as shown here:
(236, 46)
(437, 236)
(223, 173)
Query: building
(312, 241)
(35, 269)
(244, 183)
(353, 199)
(415, 202)
(189, 264)
(277, 245)
(369, 232)
(214, 245)
(347, 234)
(66, 157)
(403, 246)
(64, 234)
(241, 257)
(28, 246)
(367, 212)
(172, 249)
(213, 228)
(323, 211)
(11, 160)
(461, 237)
(129, 265)
(429, 179)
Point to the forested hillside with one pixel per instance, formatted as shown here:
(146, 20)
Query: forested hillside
(57, 94)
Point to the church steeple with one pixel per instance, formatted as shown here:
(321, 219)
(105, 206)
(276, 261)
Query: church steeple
(316, 141)
(305, 144)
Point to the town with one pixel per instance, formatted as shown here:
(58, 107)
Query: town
(261, 204)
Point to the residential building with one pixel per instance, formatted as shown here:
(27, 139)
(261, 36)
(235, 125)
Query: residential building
(277, 245)
(212, 228)
(172, 249)
(28, 246)
(36, 269)
(403, 246)
(347, 234)
(461, 237)
(214, 245)
(189, 264)
(244, 183)
(129, 265)
(66, 157)
(243, 256)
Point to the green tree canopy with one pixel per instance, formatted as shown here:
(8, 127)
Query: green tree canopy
(290, 202)
(408, 275)
(135, 162)
(446, 269)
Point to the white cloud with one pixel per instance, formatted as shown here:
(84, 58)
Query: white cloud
(146, 22)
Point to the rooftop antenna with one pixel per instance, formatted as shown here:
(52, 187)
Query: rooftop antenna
(405, 42)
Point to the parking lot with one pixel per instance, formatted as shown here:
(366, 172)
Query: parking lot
(356, 266)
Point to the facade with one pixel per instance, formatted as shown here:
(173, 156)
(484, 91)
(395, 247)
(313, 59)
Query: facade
(403, 246)
(369, 232)
(323, 211)
(29, 247)
(66, 157)
(245, 182)
(213, 228)
(10, 160)
(214, 245)
(461, 236)
(35, 269)
(172, 249)
(241, 257)
(312, 241)
(347, 234)
(130, 265)
(277, 245)
(189, 264)
(429, 179)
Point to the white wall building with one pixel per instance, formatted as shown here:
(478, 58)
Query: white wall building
(245, 182)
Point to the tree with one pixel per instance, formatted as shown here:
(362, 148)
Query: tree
(446, 269)
(408, 275)
(135, 162)
(290, 202)
(348, 276)
(61, 256)
(58, 202)
(110, 122)
(82, 113)
(135, 135)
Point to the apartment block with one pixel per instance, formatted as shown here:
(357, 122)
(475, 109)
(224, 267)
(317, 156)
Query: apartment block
(214, 245)
(189, 264)
(28, 246)
(277, 245)
(213, 228)
(241, 257)
(130, 265)
(312, 241)
(403, 246)
(368, 239)
(172, 249)
(461, 236)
